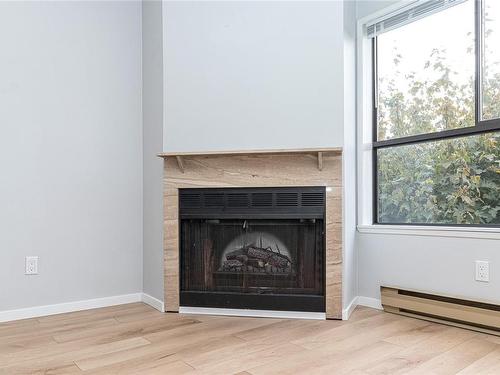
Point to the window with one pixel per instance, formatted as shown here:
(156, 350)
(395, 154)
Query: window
(490, 72)
(436, 114)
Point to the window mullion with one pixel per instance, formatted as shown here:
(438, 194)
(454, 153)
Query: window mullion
(478, 44)
(486, 127)
(375, 130)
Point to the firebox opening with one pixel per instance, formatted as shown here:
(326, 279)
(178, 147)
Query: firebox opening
(253, 262)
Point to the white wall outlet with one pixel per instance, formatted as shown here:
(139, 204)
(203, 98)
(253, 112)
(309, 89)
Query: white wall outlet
(31, 265)
(482, 270)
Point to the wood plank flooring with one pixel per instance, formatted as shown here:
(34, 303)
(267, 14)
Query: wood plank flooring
(136, 339)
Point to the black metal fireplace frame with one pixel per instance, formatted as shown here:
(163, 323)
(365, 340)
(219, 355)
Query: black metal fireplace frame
(290, 302)
(271, 203)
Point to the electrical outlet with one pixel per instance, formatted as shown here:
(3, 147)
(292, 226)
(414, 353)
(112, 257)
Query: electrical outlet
(31, 265)
(482, 270)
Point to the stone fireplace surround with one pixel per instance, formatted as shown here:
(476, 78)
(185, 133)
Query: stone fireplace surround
(318, 167)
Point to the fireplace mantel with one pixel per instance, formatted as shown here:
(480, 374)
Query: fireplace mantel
(319, 152)
(250, 152)
(266, 168)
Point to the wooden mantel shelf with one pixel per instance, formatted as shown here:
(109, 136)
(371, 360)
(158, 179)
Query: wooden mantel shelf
(319, 151)
(249, 152)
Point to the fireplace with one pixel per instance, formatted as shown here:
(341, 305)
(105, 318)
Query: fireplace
(253, 248)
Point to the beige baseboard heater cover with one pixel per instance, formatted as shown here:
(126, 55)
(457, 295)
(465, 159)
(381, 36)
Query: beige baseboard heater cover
(475, 315)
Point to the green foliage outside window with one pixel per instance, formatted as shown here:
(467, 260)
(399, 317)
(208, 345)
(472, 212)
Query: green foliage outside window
(453, 181)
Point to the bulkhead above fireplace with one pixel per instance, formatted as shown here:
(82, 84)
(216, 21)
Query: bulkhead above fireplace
(253, 248)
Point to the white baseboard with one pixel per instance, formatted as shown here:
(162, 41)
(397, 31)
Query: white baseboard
(374, 303)
(153, 302)
(346, 313)
(252, 313)
(60, 308)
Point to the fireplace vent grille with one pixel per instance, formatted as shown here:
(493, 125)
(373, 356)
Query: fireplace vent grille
(214, 200)
(303, 202)
(191, 200)
(262, 199)
(287, 199)
(237, 200)
(313, 199)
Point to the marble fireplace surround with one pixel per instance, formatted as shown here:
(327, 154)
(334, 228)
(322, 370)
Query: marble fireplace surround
(285, 168)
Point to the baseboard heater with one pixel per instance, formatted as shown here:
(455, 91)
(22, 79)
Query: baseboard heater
(474, 315)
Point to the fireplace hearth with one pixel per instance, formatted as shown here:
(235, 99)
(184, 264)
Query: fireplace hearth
(253, 248)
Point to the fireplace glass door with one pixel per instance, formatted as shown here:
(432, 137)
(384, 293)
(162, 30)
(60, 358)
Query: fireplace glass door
(258, 263)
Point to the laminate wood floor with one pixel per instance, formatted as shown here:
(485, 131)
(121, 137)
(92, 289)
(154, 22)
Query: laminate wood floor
(136, 339)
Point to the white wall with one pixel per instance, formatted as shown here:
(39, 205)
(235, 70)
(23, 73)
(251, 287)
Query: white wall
(438, 264)
(367, 7)
(70, 150)
(435, 264)
(152, 107)
(253, 75)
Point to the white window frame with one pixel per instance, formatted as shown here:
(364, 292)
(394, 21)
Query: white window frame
(364, 148)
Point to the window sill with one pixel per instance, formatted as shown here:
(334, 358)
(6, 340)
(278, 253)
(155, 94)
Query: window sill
(432, 231)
